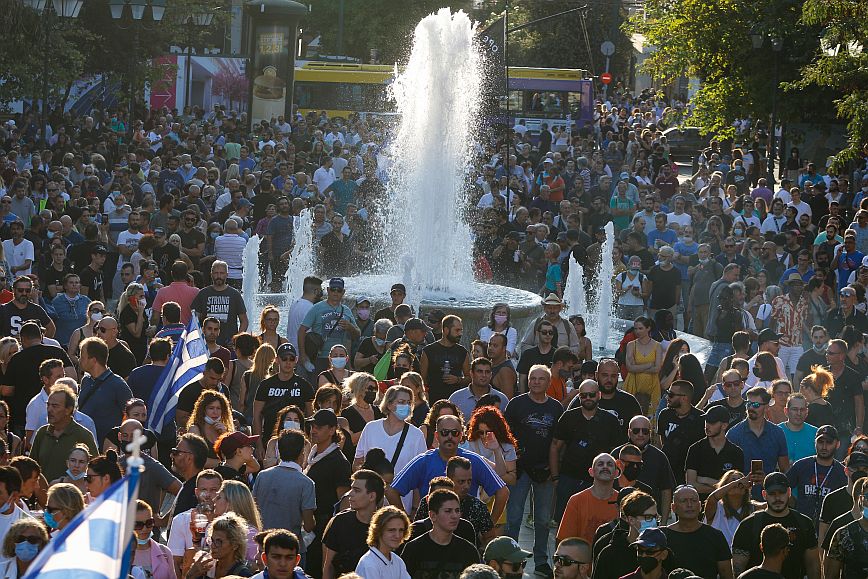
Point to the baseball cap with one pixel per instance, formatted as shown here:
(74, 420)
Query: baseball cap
(653, 538)
(716, 414)
(505, 549)
(828, 431)
(336, 283)
(159, 231)
(548, 161)
(398, 287)
(230, 442)
(768, 335)
(414, 324)
(243, 202)
(324, 417)
(776, 481)
(361, 299)
(625, 176)
(625, 492)
(99, 248)
(287, 348)
(857, 459)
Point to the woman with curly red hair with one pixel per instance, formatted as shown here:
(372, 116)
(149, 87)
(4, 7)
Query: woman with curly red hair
(489, 436)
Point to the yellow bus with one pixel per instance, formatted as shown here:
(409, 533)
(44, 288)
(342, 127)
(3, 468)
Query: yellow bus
(535, 94)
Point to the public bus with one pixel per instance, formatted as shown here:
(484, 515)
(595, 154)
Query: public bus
(537, 95)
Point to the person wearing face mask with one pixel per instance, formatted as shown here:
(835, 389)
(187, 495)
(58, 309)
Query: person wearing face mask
(76, 471)
(338, 369)
(64, 502)
(631, 289)
(372, 348)
(363, 320)
(22, 543)
(10, 491)
(149, 555)
(618, 556)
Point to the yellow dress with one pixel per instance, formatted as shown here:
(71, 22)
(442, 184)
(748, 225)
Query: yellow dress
(647, 383)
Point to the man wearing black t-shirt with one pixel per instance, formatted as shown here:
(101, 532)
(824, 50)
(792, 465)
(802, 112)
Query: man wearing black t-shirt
(541, 354)
(580, 434)
(775, 547)
(655, 470)
(840, 501)
(803, 556)
(696, 545)
(21, 309)
(344, 538)
(282, 389)
(91, 276)
(439, 553)
(619, 403)
(679, 425)
(445, 364)
(733, 403)
(709, 458)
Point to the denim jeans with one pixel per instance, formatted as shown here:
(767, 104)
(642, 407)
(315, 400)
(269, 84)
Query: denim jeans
(567, 487)
(543, 494)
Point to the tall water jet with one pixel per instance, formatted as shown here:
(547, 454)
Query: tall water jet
(604, 287)
(301, 258)
(437, 96)
(250, 265)
(574, 290)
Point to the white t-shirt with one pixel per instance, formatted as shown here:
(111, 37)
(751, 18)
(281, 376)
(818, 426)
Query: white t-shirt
(297, 313)
(374, 565)
(130, 241)
(682, 220)
(180, 538)
(374, 436)
(485, 334)
(323, 177)
(16, 255)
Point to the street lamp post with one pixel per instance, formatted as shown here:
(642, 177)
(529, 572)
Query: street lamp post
(202, 18)
(48, 11)
(757, 39)
(130, 14)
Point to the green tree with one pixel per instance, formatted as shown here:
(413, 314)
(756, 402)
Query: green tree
(841, 65)
(712, 42)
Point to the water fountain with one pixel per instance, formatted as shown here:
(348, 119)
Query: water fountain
(426, 243)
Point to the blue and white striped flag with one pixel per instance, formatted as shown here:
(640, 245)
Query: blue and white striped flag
(95, 544)
(185, 367)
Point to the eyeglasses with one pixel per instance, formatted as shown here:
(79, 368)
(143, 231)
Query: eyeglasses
(565, 561)
(755, 405)
(831, 353)
(848, 294)
(640, 430)
(546, 333)
(672, 394)
(586, 395)
(31, 540)
(446, 432)
(149, 523)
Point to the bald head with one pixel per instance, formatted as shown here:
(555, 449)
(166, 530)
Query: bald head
(639, 431)
(604, 469)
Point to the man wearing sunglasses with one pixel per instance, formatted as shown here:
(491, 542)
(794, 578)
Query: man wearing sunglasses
(679, 425)
(504, 555)
(650, 470)
(572, 559)
(419, 472)
(23, 308)
(332, 321)
(280, 390)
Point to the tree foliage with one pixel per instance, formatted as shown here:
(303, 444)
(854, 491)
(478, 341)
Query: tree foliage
(712, 42)
(842, 66)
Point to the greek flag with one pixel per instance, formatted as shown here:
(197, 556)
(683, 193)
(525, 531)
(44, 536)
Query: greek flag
(95, 544)
(185, 367)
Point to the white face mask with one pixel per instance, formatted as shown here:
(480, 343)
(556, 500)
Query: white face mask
(209, 420)
(96, 316)
(291, 425)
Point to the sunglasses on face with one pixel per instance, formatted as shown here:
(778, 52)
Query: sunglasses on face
(640, 430)
(755, 405)
(672, 394)
(447, 432)
(564, 561)
(149, 523)
(546, 333)
(586, 395)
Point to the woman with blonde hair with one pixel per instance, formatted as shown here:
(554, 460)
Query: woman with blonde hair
(729, 503)
(235, 496)
(211, 417)
(64, 502)
(227, 537)
(815, 387)
(263, 367)
(414, 381)
(389, 529)
(8, 347)
(132, 320)
(96, 310)
(269, 319)
(363, 389)
(7, 272)
(24, 540)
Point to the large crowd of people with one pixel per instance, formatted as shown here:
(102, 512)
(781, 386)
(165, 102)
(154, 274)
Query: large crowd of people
(365, 439)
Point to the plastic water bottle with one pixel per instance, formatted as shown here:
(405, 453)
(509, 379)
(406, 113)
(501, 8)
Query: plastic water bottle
(447, 368)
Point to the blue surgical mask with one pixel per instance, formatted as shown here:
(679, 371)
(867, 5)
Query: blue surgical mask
(380, 341)
(50, 234)
(80, 475)
(145, 540)
(643, 524)
(339, 363)
(26, 551)
(865, 512)
(50, 520)
(402, 411)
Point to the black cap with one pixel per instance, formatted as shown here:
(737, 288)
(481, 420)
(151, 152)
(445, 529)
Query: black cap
(286, 348)
(99, 248)
(324, 417)
(776, 481)
(336, 283)
(768, 335)
(828, 431)
(716, 414)
(398, 287)
(624, 492)
(857, 459)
